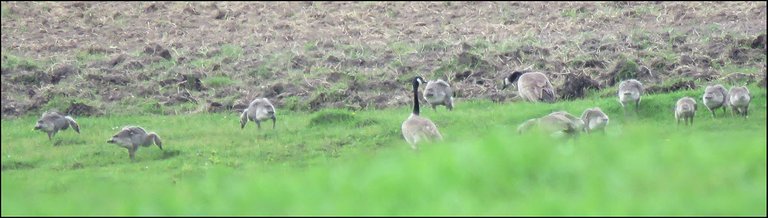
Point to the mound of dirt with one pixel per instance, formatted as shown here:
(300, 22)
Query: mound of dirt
(296, 53)
(331, 117)
(82, 109)
(681, 85)
(739, 78)
(576, 86)
(62, 72)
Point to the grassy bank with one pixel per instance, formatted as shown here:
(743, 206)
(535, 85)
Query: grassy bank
(356, 163)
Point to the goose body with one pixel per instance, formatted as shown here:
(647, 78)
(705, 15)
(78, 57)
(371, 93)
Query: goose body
(131, 137)
(594, 119)
(685, 110)
(416, 128)
(52, 122)
(258, 110)
(558, 124)
(630, 91)
(715, 97)
(439, 93)
(532, 86)
(738, 99)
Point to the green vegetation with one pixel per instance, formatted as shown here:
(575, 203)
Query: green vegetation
(360, 165)
(218, 81)
(12, 61)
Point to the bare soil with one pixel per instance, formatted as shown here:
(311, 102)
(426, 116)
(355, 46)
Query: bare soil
(94, 58)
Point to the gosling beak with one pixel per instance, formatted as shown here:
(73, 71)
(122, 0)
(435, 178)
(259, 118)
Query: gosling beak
(110, 141)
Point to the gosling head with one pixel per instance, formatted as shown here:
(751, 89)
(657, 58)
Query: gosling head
(122, 138)
(42, 125)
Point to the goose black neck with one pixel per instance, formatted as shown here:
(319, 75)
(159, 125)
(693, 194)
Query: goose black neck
(515, 76)
(415, 96)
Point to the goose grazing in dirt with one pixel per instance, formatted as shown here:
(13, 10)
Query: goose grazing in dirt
(630, 91)
(715, 97)
(685, 110)
(439, 93)
(259, 109)
(558, 124)
(738, 99)
(131, 137)
(594, 119)
(52, 122)
(416, 128)
(531, 86)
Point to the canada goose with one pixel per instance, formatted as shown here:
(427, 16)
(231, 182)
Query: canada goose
(715, 97)
(259, 109)
(416, 128)
(738, 99)
(559, 123)
(52, 122)
(594, 119)
(131, 137)
(439, 93)
(531, 86)
(685, 110)
(630, 91)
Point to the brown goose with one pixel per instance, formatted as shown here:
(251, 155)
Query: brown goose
(531, 86)
(416, 128)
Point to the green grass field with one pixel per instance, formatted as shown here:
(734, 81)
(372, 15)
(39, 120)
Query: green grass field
(357, 163)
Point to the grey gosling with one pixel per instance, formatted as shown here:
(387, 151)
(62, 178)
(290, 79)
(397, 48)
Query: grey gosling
(439, 93)
(715, 97)
(630, 91)
(52, 122)
(416, 128)
(531, 86)
(558, 124)
(131, 137)
(738, 99)
(685, 110)
(259, 109)
(594, 119)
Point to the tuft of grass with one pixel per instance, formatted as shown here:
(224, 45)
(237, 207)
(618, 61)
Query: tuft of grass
(11, 61)
(85, 57)
(5, 11)
(218, 81)
(627, 69)
(330, 117)
(231, 51)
